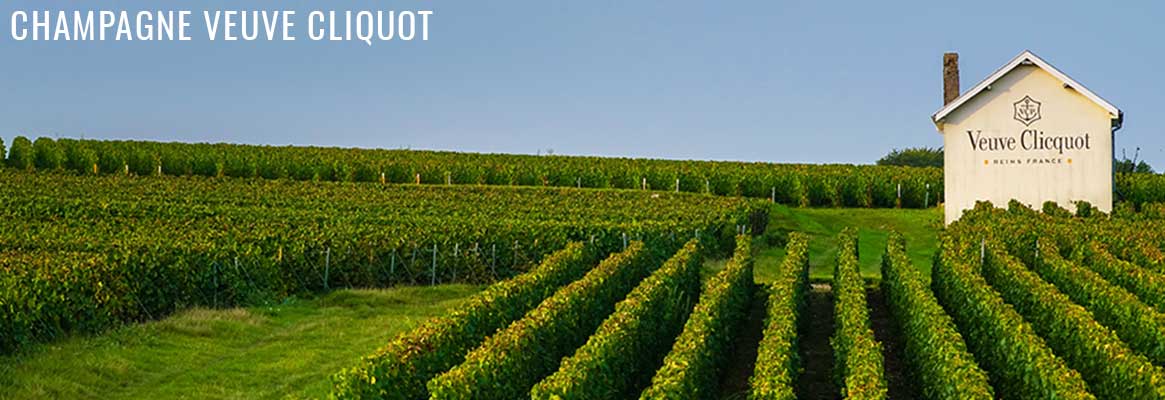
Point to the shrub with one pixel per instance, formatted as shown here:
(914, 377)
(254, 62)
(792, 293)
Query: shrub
(1085, 209)
(21, 155)
(48, 155)
(80, 158)
(1053, 209)
(914, 157)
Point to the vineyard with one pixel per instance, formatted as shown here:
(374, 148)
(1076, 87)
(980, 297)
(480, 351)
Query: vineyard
(83, 253)
(794, 184)
(1041, 306)
(594, 292)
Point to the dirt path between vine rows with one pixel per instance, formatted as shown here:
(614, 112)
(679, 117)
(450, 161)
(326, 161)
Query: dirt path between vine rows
(897, 376)
(816, 380)
(741, 363)
(816, 327)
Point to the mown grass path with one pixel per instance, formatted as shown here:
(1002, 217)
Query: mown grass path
(919, 227)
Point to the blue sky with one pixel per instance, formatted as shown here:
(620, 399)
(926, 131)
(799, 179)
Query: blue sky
(809, 81)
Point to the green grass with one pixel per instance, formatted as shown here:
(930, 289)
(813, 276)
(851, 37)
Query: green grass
(289, 350)
(919, 227)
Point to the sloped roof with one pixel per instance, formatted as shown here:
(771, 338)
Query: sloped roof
(1027, 57)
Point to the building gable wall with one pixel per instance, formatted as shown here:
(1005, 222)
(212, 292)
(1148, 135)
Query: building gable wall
(1061, 153)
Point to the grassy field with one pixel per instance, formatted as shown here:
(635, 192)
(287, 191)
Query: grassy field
(291, 350)
(919, 227)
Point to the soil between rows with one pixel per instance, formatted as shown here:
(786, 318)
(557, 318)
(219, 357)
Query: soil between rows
(741, 363)
(886, 332)
(816, 380)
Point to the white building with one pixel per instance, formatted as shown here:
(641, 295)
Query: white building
(1027, 132)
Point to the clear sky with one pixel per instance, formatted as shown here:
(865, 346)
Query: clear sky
(804, 81)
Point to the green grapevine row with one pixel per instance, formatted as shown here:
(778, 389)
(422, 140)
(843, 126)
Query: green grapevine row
(400, 369)
(1123, 251)
(617, 360)
(1110, 367)
(777, 363)
(95, 240)
(795, 184)
(1114, 338)
(1137, 324)
(857, 355)
(939, 358)
(1115, 234)
(512, 361)
(1018, 361)
(1148, 285)
(690, 369)
(837, 185)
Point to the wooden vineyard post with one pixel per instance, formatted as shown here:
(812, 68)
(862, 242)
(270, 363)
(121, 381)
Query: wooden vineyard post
(982, 251)
(453, 265)
(514, 265)
(899, 195)
(433, 270)
(327, 265)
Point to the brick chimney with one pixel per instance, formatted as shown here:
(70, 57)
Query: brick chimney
(950, 77)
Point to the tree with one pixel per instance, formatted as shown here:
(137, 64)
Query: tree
(2, 153)
(914, 157)
(48, 156)
(1127, 166)
(21, 155)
